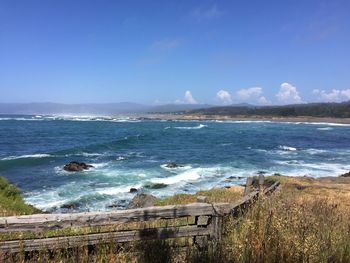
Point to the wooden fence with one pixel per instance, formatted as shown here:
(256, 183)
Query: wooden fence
(207, 225)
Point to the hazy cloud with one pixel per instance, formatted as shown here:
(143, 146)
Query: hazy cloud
(189, 98)
(250, 92)
(224, 96)
(253, 94)
(201, 14)
(334, 95)
(263, 100)
(167, 44)
(288, 94)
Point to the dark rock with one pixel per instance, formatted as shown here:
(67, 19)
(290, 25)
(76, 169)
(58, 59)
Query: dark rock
(156, 186)
(173, 165)
(142, 200)
(133, 190)
(72, 205)
(346, 174)
(76, 166)
(119, 205)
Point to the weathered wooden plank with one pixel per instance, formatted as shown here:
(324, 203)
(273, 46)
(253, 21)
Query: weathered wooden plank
(227, 208)
(59, 221)
(272, 188)
(93, 239)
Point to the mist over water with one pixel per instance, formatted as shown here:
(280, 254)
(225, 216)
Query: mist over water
(131, 153)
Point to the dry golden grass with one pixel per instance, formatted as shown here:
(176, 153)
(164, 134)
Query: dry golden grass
(307, 221)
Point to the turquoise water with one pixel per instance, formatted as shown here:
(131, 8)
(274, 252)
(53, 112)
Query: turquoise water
(130, 153)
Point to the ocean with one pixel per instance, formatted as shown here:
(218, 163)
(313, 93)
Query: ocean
(132, 153)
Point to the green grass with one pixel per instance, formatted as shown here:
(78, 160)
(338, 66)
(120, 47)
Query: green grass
(11, 201)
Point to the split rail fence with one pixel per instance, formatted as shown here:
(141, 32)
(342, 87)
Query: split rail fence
(207, 225)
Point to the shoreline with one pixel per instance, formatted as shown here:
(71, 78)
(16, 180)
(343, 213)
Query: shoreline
(199, 117)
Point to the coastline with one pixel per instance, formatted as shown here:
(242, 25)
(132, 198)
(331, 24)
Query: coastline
(200, 117)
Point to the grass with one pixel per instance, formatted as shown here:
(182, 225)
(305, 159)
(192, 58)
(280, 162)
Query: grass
(11, 201)
(215, 195)
(307, 221)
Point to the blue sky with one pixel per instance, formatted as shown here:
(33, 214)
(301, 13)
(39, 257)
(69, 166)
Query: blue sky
(155, 52)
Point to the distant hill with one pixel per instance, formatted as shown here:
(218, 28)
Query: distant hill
(338, 110)
(48, 108)
(79, 109)
(167, 108)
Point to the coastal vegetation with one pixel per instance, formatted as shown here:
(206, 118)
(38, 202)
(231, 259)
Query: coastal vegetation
(333, 110)
(11, 201)
(306, 221)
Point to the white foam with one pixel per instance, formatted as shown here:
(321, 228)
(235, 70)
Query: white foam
(184, 167)
(300, 168)
(38, 155)
(117, 189)
(20, 119)
(200, 126)
(121, 158)
(315, 151)
(327, 123)
(85, 154)
(99, 165)
(226, 144)
(325, 128)
(189, 175)
(286, 148)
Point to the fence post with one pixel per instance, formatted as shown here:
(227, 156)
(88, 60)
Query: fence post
(261, 183)
(217, 224)
(248, 185)
(201, 221)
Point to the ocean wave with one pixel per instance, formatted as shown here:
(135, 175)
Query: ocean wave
(115, 190)
(121, 158)
(314, 151)
(200, 126)
(181, 167)
(20, 119)
(190, 175)
(301, 168)
(85, 154)
(286, 148)
(26, 156)
(325, 129)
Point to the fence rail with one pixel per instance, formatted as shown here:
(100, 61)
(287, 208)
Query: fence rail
(208, 223)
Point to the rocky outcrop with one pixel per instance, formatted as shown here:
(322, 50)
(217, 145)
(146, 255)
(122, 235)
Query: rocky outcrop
(346, 174)
(156, 186)
(142, 200)
(172, 165)
(77, 166)
(133, 190)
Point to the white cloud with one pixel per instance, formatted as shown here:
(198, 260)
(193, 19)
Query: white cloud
(346, 93)
(224, 96)
(207, 14)
(167, 44)
(288, 94)
(263, 100)
(249, 93)
(189, 98)
(253, 95)
(334, 95)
